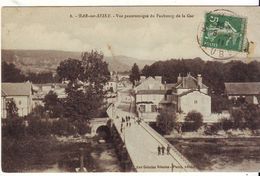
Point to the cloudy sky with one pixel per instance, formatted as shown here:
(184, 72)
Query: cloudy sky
(149, 38)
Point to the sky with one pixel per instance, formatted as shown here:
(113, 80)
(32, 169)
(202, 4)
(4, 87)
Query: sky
(60, 28)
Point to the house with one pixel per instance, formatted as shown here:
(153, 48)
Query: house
(21, 93)
(151, 95)
(41, 90)
(186, 95)
(191, 94)
(249, 91)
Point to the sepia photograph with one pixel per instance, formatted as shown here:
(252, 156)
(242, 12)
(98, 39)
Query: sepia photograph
(130, 89)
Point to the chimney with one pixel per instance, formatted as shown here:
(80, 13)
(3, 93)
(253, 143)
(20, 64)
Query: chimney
(179, 78)
(184, 82)
(199, 79)
(158, 78)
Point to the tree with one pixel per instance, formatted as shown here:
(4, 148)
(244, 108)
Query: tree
(226, 124)
(238, 118)
(193, 121)
(252, 116)
(166, 120)
(70, 70)
(52, 104)
(11, 74)
(11, 109)
(135, 74)
(86, 79)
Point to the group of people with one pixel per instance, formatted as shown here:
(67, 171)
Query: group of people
(126, 120)
(161, 149)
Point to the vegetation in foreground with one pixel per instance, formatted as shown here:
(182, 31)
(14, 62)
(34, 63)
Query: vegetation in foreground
(221, 154)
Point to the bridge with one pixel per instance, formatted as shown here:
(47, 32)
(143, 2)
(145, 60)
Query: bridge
(98, 124)
(141, 142)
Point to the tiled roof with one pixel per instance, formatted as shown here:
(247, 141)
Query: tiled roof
(189, 82)
(151, 91)
(15, 89)
(246, 88)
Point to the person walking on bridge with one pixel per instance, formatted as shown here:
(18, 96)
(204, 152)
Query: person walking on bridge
(163, 148)
(159, 149)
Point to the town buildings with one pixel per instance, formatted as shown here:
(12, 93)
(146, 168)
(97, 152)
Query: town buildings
(186, 95)
(247, 91)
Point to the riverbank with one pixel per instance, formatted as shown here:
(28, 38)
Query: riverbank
(51, 154)
(225, 154)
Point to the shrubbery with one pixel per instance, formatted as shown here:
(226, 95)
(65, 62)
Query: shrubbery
(193, 121)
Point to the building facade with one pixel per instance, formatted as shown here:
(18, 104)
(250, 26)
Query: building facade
(21, 94)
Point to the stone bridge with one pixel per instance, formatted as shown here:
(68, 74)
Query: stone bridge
(98, 125)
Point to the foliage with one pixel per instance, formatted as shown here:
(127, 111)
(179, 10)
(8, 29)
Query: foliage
(40, 78)
(193, 121)
(13, 127)
(38, 127)
(166, 121)
(238, 118)
(135, 74)
(11, 74)
(53, 105)
(252, 116)
(11, 109)
(63, 127)
(214, 73)
(70, 69)
(219, 103)
(87, 78)
(226, 124)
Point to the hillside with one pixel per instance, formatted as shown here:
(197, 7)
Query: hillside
(48, 60)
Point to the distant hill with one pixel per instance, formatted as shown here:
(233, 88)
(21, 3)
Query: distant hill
(48, 60)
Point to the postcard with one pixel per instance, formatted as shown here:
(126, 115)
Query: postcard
(130, 89)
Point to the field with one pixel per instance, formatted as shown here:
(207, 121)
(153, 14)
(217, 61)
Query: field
(227, 154)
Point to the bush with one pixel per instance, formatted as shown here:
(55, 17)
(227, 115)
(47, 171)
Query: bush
(226, 124)
(193, 121)
(62, 127)
(37, 127)
(13, 127)
(165, 121)
(213, 129)
(82, 127)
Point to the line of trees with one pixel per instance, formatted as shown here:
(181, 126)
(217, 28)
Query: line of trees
(10, 73)
(214, 73)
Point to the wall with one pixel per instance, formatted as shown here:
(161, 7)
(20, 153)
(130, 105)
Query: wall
(195, 101)
(23, 103)
(179, 91)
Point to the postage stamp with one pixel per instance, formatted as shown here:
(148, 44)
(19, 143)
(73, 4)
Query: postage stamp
(224, 32)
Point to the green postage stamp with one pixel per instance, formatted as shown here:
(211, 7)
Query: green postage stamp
(224, 32)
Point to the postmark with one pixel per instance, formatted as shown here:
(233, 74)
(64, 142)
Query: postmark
(222, 35)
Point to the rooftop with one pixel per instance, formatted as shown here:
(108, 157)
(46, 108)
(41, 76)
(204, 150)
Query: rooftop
(245, 88)
(17, 89)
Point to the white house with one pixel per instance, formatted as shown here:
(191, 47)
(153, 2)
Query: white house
(21, 93)
(150, 96)
(191, 94)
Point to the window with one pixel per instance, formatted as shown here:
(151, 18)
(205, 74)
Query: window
(20, 102)
(154, 108)
(142, 108)
(195, 102)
